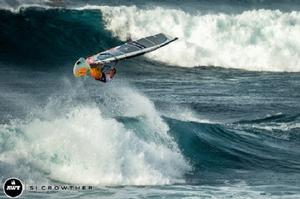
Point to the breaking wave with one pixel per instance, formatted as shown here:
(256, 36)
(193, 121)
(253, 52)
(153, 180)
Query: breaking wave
(260, 40)
(80, 144)
(257, 40)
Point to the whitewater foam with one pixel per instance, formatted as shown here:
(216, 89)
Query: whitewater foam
(86, 146)
(260, 40)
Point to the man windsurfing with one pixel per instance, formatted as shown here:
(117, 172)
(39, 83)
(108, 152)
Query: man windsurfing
(101, 66)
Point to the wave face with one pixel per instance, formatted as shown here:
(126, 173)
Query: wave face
(46, 37)
(238, 145)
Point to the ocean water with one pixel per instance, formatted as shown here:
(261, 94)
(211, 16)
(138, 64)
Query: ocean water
(215, 114)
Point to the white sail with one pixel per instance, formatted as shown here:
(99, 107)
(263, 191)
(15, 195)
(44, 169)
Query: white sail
(131, 49)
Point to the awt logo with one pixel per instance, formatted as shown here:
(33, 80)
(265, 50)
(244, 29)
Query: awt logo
(13, 187)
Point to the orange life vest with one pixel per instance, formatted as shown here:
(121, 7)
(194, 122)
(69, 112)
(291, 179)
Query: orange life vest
(95, 73)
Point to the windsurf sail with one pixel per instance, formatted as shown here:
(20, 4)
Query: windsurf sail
(124, 51)
(132, 49)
